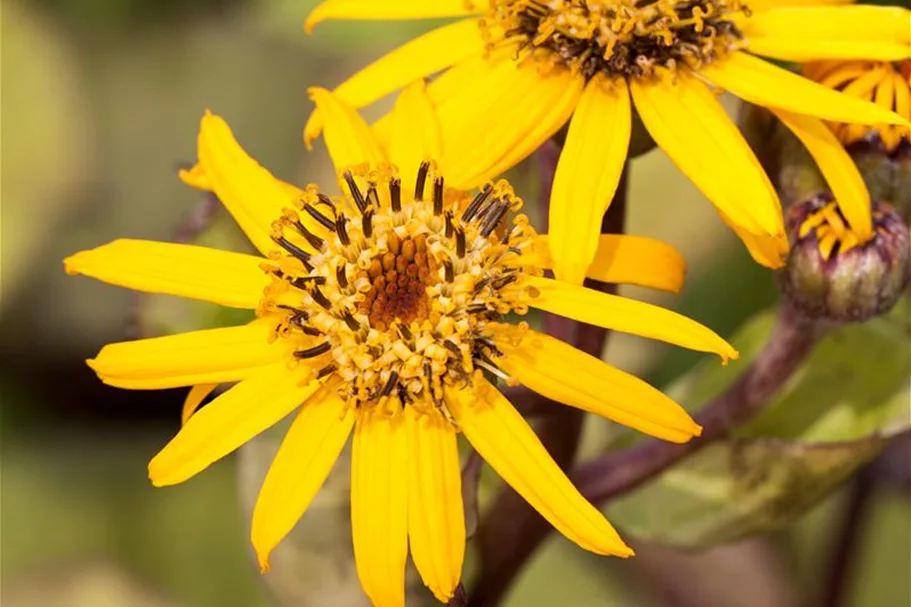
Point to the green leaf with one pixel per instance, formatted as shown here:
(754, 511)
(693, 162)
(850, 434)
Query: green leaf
(837, 412)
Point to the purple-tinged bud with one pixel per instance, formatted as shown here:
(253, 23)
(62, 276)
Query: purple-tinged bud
(831, 274)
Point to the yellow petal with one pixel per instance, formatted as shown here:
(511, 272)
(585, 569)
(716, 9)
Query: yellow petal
(807, 33)
(629, 260)
(194, 399)
(312, 444)
(761, 5)
(392, 9)
(415, 130)
(768, 251)
(379, 505)
(625, 315)
(505, 115)
(761, 83)
(425, 55)
(689, 124)
(348, 137)
(200, 357)
(250, 193)
(222, 277)
(839, 170)
(436, 518)
(506, 442)
(228, 422)
(589, 169)
(561, 372)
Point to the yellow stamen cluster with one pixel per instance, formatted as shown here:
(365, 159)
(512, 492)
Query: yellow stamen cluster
(619, 38)
(883, 82)
(401, 298)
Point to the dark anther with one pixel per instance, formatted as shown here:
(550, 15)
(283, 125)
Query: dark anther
(481, 284)
(373, 199)
(308, 330)
(325, 371)
(323, 199)
(460, 242)
(314, 351)
(450, 229)
(422, 178)
(449, 270)
(355, 192)
(315, 241)
(341, 276)
(301, 282)
(319, 298)
(472, 209)
(452, 347)
(501, 282)
(341, 230)
(395, 194)
(351, 321)
(437, 195)
(390, 384)
(367, 223)
(493, 218)
(405, 332)
(324, 221)
(476, 308)
(292, 248)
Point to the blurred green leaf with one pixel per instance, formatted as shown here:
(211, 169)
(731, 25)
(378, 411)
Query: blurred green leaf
(835, 414)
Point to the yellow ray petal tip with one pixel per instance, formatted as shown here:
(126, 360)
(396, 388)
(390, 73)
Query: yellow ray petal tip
(195, 177)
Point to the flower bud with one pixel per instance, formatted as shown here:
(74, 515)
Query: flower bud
(831, 274)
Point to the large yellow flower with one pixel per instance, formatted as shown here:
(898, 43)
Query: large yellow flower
(383, 313)
(517, 70)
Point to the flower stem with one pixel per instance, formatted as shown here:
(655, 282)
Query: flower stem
(791, 341)
(512, 530)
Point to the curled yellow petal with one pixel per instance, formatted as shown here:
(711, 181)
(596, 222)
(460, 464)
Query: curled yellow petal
(248, 191)
(625, 315)
(194, 399)
(629, 260)
(228, 422)
(312, 444)
(562, 373)
(690, 125)
(425, 55)
(761, 83)
(348, 137)
(506, 442)
(379, 505)
(839, 170)
(222, 277)
(391, 10)
(198, 357)
(807, 33)
(415, 130)
(587, 175)
(436, 518)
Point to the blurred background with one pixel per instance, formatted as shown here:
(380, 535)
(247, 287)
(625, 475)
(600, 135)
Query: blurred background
(100, 105)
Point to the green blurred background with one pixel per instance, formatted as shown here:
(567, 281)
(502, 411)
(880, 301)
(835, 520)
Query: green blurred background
(100, 105)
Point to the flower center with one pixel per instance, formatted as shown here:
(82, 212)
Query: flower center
(619, 38)
(397, 298)
(885, 83)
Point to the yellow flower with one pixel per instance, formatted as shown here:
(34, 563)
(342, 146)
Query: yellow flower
(515, 71)
(885, 83)
(382, 313)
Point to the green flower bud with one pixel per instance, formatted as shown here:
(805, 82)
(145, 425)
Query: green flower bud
(831, 274)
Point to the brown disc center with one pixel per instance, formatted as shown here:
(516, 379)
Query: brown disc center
(399, 279)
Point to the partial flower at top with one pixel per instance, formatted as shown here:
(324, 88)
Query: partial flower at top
(383, 313)
(517, 70)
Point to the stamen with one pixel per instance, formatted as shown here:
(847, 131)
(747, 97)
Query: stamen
(437, 195)
(322, 219)
(341, 275)
(314, 351)
(319, 298)
(421, 179)
(460, 242)
(327, 370)
(395, 194)
(493, 217)
(355, 191)
(341, 230)
(475, 205)
(315, 241)
(390, 384)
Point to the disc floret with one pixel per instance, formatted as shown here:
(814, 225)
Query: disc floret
(618, 38)
(401, 291)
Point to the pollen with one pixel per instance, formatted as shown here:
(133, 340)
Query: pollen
(397, 292)
(886, 83)
(618, 38)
